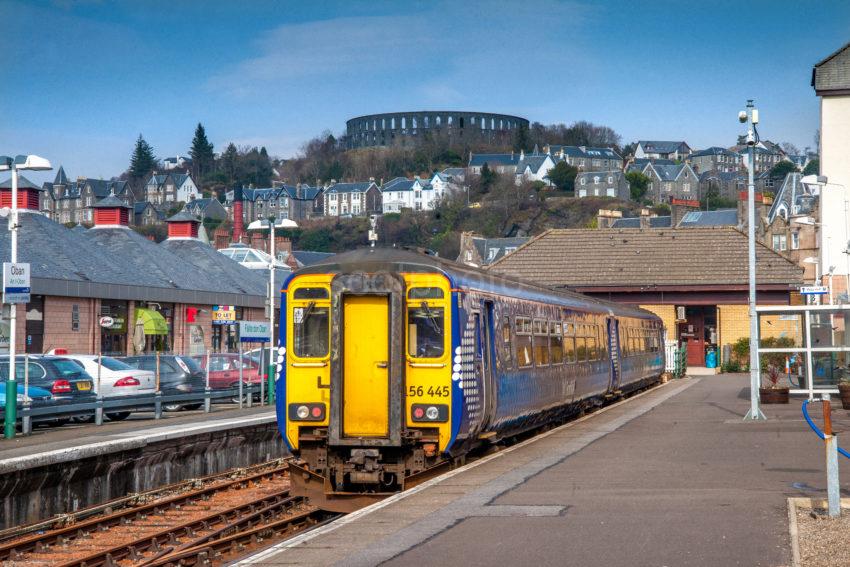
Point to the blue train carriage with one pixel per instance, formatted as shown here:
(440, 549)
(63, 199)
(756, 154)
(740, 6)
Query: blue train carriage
(395, 363)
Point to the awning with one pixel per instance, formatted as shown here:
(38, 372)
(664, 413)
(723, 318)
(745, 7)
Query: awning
(152, 322)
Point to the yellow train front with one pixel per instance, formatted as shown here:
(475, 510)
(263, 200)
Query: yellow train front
(392, 363)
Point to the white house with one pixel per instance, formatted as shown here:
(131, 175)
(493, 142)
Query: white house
(170, 187)
(445, 183)
(174, 162)
(534, 167)
(415, 194)
(675, 150)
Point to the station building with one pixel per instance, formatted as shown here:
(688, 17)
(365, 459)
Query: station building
(161, 297)
(695, 279)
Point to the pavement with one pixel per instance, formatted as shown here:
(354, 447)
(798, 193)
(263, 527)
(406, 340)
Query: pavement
(75, 441)
(673, 477)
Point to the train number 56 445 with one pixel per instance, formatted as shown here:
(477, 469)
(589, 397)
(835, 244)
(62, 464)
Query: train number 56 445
(419, 391)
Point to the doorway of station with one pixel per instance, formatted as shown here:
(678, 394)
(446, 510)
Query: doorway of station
(698, 330)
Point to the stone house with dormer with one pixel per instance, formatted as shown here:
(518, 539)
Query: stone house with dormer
(675, 150)
(715, 159)
(171, 187)
(603, 184)
(68, 201)
(586, 158)
(352, 199)
(666, 181)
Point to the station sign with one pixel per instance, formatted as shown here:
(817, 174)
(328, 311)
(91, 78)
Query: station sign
(814, 290)
(16, 282)
(106, 322)
(254, 331)
(223, 315)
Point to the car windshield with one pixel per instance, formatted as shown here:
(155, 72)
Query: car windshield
(192, 364)
(66, 367)
(114, 364)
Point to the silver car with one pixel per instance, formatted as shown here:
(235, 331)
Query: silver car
(117, 378)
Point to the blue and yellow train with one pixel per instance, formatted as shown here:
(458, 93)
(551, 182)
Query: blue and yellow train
(395, 362)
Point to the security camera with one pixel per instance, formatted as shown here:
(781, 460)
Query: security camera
(751, 139)
(742, 117)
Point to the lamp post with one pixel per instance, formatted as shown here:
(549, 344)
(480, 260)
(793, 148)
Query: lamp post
(261, 224)
(32, 163)
(751, 118)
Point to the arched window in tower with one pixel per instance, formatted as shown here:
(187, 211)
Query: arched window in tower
(449, 121)
(492, 124)
(437, 122)
(460, 121)
(392, 123)
(413, 123)
(403, 122)
(425, 122)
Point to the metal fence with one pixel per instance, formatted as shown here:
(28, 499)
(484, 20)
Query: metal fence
(675, 358)
(244, 393)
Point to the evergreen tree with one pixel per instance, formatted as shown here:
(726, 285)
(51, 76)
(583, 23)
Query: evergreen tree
(563, 176)
(142, 162)
(229, 160)
(812, 167)
(201, 152)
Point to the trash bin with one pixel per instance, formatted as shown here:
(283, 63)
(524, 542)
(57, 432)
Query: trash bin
(711, 357)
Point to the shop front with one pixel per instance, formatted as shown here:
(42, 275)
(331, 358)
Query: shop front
(113, 338)
(152, 332)
(225, 333)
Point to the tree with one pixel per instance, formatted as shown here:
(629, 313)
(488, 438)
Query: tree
(488, 178)
(563, 176)
(229, 160)
(813, 167)
(142, 162)
(201, 152)
(790, 148)
(521, 139)
(638, 185)
(783, 168)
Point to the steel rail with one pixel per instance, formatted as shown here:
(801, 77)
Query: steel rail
(38, 542)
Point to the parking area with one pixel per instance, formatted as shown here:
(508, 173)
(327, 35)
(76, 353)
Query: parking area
(672, 477)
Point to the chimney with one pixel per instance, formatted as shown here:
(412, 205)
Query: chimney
(679, 208)
(28, 194)
(645, 215)
(183, 225)
(110, 212)
(605, 218)
(221, 238)
(238, 220)
(743, 210)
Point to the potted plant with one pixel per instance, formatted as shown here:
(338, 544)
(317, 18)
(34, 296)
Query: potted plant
(844, 391)
(773, 393)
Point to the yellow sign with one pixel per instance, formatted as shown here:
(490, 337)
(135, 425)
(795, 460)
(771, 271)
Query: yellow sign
(223, 315)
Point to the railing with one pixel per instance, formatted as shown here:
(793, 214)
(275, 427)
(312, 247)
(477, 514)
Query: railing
(676, 358)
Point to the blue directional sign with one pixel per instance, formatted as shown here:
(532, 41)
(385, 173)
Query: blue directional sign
(254, 331)
(16, 282)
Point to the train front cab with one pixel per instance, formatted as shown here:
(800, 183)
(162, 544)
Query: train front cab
(367, 379)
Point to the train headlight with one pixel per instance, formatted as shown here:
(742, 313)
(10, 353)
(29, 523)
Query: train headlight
(438, 413)
(306, 412)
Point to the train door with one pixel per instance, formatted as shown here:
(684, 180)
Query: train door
(484, 361)
(366, 392)
(614, 349)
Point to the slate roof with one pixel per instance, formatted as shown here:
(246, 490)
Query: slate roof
(61, 178)
(638, 164)
(832, 72)
(218, 267)
(454, 171)
(110, 202)
(793, 196)
(478, 160)
(661, 147)
(308, 258)
(23, 183)
(719, 217)
(723, 175)
(533, 161)
(584, 151)
(183, 216)
(580, 258)
(713, 151)
(360, 187)
(634, 222)
(668, 172)
(496, 246)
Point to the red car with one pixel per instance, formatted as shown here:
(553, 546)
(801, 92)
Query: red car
(224, 370)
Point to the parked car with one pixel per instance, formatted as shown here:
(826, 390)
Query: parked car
(38, 397)
(263, 358)
(67, 382)
(117, 379)
(177, 375)
(224, 371)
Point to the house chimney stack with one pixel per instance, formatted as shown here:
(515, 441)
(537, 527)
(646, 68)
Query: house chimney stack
(238, 220)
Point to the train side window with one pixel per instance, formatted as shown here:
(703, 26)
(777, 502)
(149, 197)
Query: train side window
(541, 343)
(523, 342)
(507, 340)
(425, 337)
(311, 293)
(592, 352)
(311, 331)
(569, 343)
(603, 341)
(556, 342)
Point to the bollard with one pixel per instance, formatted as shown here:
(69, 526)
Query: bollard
(831, 444)
(157, 405)
(207, 400)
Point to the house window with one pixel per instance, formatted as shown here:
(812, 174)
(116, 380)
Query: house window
(780, 242)
(584, 181)
(582, 192)
(686, 187)
(596, 179)
(610, 179)
(795, 241)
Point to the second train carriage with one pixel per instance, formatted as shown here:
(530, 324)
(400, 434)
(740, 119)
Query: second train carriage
(393, 362)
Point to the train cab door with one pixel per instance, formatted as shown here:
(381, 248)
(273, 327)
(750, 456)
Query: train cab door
(484, 359)
(614, 349)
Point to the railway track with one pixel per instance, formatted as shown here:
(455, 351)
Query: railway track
(221, 520)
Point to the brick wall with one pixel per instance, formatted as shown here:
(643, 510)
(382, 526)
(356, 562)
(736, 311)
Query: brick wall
(58, 332)
(668, 316)
(733, 322)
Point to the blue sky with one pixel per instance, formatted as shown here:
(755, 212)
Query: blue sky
(83, 78)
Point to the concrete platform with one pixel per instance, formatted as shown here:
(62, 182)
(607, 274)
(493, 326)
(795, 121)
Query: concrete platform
(672, 477)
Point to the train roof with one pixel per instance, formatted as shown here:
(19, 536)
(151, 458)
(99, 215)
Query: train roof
(408, 261)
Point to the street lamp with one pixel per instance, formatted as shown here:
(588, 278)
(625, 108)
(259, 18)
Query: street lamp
(750, 116)
(263, 224)
(31, 163)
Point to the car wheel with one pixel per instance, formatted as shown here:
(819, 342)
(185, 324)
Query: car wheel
(63, 421)
(193, 406)
(83, 419)
(118, 416)
(172, 407)
(235, 399)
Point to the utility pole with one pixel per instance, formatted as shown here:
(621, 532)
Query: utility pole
(751, 117)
